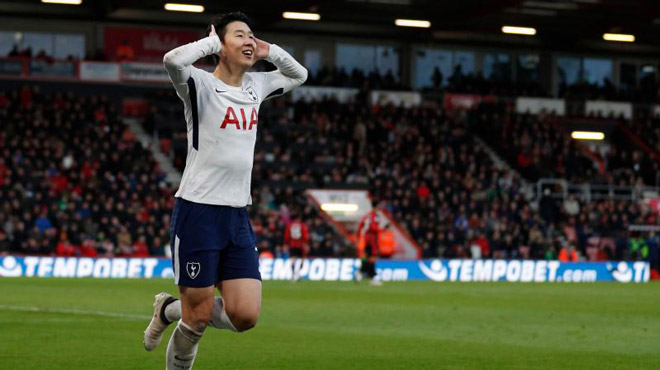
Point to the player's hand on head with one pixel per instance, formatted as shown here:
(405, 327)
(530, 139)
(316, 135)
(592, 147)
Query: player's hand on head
(213, 33)
(263, 48)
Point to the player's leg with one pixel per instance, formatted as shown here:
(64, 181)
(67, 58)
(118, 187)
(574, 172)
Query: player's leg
(360, 272)
(196, 308)
(296, 262)
(367, 267)
(239, 280)
(172, 313)
(245, 308)
(160, 320)
(375, 280)
(301, 262)
(196, 304)
(242, 302)
(197, 242)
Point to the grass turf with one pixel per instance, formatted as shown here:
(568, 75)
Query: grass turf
(98, 324)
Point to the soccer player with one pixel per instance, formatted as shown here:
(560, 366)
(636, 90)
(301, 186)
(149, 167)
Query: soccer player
(296, 239)
(369, 228)
(212, 241)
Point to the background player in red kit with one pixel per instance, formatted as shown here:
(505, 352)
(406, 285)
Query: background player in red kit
(369, 228)
(296, 239)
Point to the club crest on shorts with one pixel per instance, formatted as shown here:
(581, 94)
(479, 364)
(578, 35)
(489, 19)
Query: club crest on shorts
(193, 269)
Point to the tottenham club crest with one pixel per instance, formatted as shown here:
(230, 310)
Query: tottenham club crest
(251, 93)
(193, 269)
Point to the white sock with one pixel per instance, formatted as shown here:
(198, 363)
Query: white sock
(173, 311)
(182, 348)
(219, 317)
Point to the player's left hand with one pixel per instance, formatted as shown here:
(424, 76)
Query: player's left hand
(213, 33)
(263, 48)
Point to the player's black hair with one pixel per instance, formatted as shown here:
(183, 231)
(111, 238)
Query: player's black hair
(220, 23)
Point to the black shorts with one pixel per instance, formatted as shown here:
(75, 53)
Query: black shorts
(296, 252)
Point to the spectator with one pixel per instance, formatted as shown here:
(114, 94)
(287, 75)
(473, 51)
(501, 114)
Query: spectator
(125, 52)
(568, 254)
(437, 78)
(43, 223)
(571, 205)
(14, 52)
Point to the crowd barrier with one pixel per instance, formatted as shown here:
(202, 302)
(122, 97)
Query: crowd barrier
(335, 269)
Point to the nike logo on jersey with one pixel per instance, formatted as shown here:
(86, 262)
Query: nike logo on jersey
(219, 91)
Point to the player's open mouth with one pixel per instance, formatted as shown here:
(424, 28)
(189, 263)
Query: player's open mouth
(247, 53)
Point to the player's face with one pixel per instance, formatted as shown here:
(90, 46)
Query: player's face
(239, 44)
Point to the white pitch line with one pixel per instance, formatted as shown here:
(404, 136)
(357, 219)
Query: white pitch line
(73, 311)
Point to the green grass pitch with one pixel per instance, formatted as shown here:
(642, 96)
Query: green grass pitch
(98, 324)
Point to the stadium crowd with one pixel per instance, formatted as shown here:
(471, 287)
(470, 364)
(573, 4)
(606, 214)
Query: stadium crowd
(28, 54)
(75, 181)
(339, 77)
(539, 147)
(644, 91)
(436, 181)
(647, 128)
(477, 83)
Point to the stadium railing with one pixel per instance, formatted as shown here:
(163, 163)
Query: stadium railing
(561, 189)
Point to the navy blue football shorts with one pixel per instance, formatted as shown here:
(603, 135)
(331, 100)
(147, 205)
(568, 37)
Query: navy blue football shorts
(211, 243)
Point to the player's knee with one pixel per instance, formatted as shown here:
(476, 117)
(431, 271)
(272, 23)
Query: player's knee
(199, 324)
(244, 319)
(245, 322)
(199, 319)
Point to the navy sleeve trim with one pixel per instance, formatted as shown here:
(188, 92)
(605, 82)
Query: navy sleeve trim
(192, 93)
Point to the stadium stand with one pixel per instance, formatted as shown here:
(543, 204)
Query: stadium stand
(75, 180)
(437, 181)
(539, 146)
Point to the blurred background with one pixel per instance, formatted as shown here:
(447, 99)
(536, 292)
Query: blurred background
(461, 127)
(474, 141)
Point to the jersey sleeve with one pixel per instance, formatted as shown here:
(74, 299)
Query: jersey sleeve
(178, 62)
(289, 75)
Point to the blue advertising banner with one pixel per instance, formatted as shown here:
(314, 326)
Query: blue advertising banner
(335, 269)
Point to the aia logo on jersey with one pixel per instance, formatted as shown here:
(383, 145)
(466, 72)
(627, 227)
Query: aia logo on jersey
(251, 93)
(232, 119)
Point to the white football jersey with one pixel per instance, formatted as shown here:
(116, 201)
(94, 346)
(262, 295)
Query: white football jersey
(222, 121)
